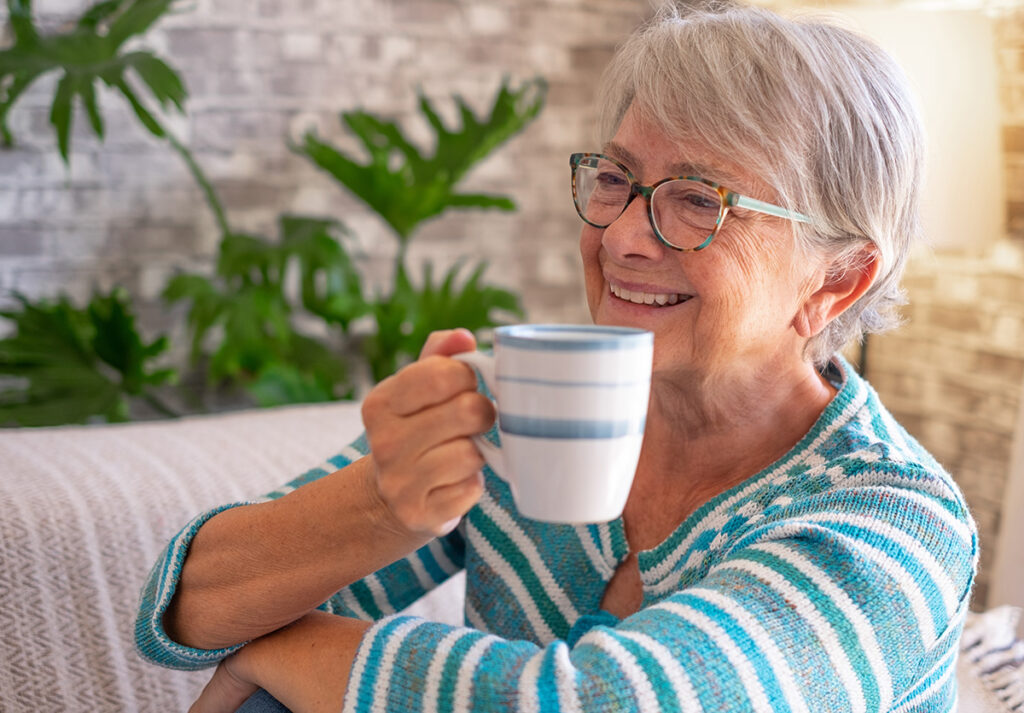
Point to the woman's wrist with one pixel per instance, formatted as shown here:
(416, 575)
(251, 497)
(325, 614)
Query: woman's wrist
(304, 665)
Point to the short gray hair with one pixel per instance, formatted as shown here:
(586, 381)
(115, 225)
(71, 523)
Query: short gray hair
(820, 113)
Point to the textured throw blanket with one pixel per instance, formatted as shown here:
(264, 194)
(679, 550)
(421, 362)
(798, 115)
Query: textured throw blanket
(992, 658)
(84, 512)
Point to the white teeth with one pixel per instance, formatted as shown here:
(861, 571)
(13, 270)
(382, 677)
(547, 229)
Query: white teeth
(647, 298)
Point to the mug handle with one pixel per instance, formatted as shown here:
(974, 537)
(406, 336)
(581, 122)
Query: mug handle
(483, 364)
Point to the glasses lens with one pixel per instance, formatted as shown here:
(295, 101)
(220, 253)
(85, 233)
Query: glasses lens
(686, 212)
(601, 190)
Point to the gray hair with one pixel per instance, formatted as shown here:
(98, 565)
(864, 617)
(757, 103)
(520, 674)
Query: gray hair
(820, 113)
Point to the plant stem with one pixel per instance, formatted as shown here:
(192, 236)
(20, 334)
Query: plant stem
(204, 184)
(158, 405)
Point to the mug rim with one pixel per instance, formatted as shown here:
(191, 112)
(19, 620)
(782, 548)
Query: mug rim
(604, 336)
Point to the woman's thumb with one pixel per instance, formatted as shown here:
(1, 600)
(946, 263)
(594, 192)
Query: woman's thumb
(448, 341)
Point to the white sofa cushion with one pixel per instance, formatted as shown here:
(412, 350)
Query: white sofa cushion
(84, 512)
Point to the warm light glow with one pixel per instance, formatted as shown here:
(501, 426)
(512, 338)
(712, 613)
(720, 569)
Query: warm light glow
(950, 58)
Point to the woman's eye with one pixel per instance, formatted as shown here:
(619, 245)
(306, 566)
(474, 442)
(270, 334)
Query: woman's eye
(699, 200)
(611, 178)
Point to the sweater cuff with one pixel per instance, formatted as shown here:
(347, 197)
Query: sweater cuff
(151, 638)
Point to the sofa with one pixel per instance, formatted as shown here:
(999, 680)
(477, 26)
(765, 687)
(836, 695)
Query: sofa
(84, 512)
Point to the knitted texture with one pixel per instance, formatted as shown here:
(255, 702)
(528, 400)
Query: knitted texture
(84, 511)
(837, 579)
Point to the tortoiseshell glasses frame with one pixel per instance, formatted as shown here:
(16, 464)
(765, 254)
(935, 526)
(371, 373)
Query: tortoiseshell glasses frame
(727, 199)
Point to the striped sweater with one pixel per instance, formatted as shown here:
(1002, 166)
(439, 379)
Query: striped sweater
(837, 579)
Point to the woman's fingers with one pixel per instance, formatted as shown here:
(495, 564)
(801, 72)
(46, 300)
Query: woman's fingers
(421, 385)
(418, 424)
(224, 692)
(456, 498)
(447, 342)
(465, 414)
(440, 486)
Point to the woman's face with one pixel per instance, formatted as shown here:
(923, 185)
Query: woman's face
(735, 300)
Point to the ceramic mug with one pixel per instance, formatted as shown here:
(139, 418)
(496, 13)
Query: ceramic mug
(572, 405)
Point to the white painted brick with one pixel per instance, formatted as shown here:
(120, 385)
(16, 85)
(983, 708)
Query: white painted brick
(486, 19)
(960, 289)
(152, 281)
(8, 205)
(313, 200)
(1006, 332)
(59, 7)
(556, 268)
(394, 49)
(305, 46)
(1007, 256)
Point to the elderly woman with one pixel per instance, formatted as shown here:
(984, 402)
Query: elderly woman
(786, 545)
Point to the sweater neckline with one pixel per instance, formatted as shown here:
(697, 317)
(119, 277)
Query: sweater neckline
(660, 562)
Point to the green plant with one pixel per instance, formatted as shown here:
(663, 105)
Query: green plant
(70, 365)
(88, 55)
(63, 364)
(405, 187)
(258, 345)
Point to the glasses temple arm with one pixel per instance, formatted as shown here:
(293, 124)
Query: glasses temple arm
(769, 208)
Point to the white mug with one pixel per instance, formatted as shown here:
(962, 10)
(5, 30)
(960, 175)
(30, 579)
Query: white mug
(572, 405)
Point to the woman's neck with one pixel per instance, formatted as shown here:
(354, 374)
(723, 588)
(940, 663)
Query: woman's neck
(714, 434)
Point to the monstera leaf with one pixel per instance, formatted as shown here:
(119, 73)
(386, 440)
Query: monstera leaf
(259, 344)
(404, 186)
(87, 56)
(409, 314)
(448, 304)
(68, 365)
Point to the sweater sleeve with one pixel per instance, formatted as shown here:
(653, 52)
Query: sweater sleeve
(849, 601)
(378, 595)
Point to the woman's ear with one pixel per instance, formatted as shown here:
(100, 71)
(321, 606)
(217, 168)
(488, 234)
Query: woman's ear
(837, 291)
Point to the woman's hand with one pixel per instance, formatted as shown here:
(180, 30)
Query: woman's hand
(419, 424)
(304, 665)
(227, 690)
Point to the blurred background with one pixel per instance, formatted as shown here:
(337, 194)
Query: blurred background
(125, 218)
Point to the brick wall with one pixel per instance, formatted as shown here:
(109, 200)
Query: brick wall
(953, 373)
(258, 72)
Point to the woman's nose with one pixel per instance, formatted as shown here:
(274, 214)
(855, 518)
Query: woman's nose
(631, 234)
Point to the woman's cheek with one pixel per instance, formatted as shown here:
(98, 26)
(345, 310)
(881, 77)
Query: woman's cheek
(590, 247)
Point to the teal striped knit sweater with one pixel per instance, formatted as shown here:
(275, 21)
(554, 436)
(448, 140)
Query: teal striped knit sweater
(837, 579)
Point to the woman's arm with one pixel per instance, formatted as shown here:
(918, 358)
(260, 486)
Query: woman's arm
(250, 570)
(253, 569)
(849, 601)
(305, 666)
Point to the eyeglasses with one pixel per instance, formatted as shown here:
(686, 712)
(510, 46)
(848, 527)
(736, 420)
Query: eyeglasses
(686, 212)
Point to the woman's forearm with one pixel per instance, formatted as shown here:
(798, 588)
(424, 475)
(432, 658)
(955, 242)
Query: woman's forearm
(305, 666)
(253, 569)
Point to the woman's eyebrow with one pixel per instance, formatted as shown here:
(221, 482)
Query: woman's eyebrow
(617, 151)
(686, 168)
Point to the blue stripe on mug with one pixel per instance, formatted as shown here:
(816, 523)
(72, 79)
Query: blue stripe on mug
(572, 384)
(569, 427)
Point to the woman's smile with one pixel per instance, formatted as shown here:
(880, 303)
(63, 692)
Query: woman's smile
(647, 296)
